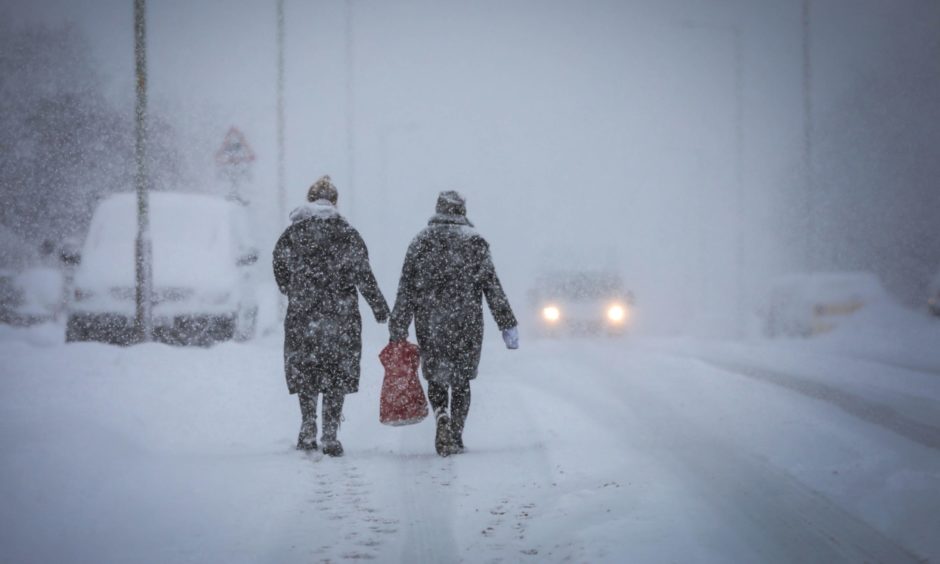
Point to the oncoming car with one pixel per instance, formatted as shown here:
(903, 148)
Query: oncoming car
(581, 302)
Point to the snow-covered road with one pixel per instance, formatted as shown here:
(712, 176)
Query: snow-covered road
(583, 451)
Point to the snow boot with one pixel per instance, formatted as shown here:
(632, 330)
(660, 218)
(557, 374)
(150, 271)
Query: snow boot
(307, 439)
(332, 447)
(332, 416)
(443, 439)
(456, 431)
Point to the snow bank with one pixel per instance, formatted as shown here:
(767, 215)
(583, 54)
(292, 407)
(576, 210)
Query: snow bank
(576, 451)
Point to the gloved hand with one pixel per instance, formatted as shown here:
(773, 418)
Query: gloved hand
(381, 316)
(511, 338)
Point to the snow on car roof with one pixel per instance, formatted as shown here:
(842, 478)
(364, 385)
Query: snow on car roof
(824, 287)
(195, 239)
(580, 283)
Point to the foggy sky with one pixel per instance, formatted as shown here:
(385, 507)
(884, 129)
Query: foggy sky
(602, 132)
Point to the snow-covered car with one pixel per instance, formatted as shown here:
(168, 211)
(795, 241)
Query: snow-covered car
(803, 305)
(933, 293)
(581, 302)
(30, 296)
(203, 272)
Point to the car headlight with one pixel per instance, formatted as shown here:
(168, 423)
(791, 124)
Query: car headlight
(551, 313)
(616, 313)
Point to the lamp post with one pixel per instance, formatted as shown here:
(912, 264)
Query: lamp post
(808, 176)
(350, 114)
(281, 189)
(734, 32)
(143, 247)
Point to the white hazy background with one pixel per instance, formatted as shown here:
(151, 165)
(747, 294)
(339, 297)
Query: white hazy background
(599, 133)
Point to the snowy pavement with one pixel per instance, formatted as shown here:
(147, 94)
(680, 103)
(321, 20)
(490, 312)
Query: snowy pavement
(585, 451)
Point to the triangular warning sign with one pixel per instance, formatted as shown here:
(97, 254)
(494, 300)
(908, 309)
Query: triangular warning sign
(234, 150)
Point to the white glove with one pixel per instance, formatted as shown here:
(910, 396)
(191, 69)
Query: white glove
(511, 338)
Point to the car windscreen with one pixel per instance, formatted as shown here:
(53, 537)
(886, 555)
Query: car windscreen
(582, 286)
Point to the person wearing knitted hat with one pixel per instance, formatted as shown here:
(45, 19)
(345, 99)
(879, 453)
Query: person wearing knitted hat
(321, 263)
(447, 272)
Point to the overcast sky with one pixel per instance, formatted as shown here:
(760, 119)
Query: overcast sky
(603, 131)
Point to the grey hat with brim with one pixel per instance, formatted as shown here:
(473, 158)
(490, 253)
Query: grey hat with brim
(451, 202)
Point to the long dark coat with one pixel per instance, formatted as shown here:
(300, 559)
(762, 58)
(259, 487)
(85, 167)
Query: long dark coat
(319, 263)
(447, 272)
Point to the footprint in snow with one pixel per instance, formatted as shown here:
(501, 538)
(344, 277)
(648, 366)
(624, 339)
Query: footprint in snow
(358, 556)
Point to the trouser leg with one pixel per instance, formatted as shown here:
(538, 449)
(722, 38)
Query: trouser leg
(308, 406)
(307, 439)
(437, 397)
(460, 408)
(332, 414)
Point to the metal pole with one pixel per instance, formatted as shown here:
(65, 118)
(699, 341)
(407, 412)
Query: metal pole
(739, 202)
(281, 189)
(810, 212)
(143, 247)
(739, 175)
(281, 182)
(350, 114)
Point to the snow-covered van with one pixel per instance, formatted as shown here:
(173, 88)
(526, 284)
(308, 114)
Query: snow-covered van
(802, 305)
(203, 273)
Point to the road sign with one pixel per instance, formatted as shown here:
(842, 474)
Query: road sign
(234, 150)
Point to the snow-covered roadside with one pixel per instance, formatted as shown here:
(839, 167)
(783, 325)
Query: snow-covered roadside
(886, 359)
(773, 470)
(880, 368)
(600, 452)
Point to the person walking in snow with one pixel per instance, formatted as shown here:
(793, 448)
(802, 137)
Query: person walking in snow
(320, 263)
(447, 272)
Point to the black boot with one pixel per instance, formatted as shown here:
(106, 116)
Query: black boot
(307, 438)
(458, 443)
(460, 408)
(332, 447)
(443, 438)
(456, 434)
(332, 415)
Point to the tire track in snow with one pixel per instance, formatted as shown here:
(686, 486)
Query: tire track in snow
(427, 501)
(451, 511)
(505, 533)
(855, 405)
(787, 520)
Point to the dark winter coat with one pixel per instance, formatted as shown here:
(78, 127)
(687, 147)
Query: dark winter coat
(447, 272)
(319, 263)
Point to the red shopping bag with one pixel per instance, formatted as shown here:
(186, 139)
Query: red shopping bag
(403, 401)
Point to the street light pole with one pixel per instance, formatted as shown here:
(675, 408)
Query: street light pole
(739, 254)
(143, 247)
(350, 114)
(739, 176)
(808, 173)
(281, 187)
